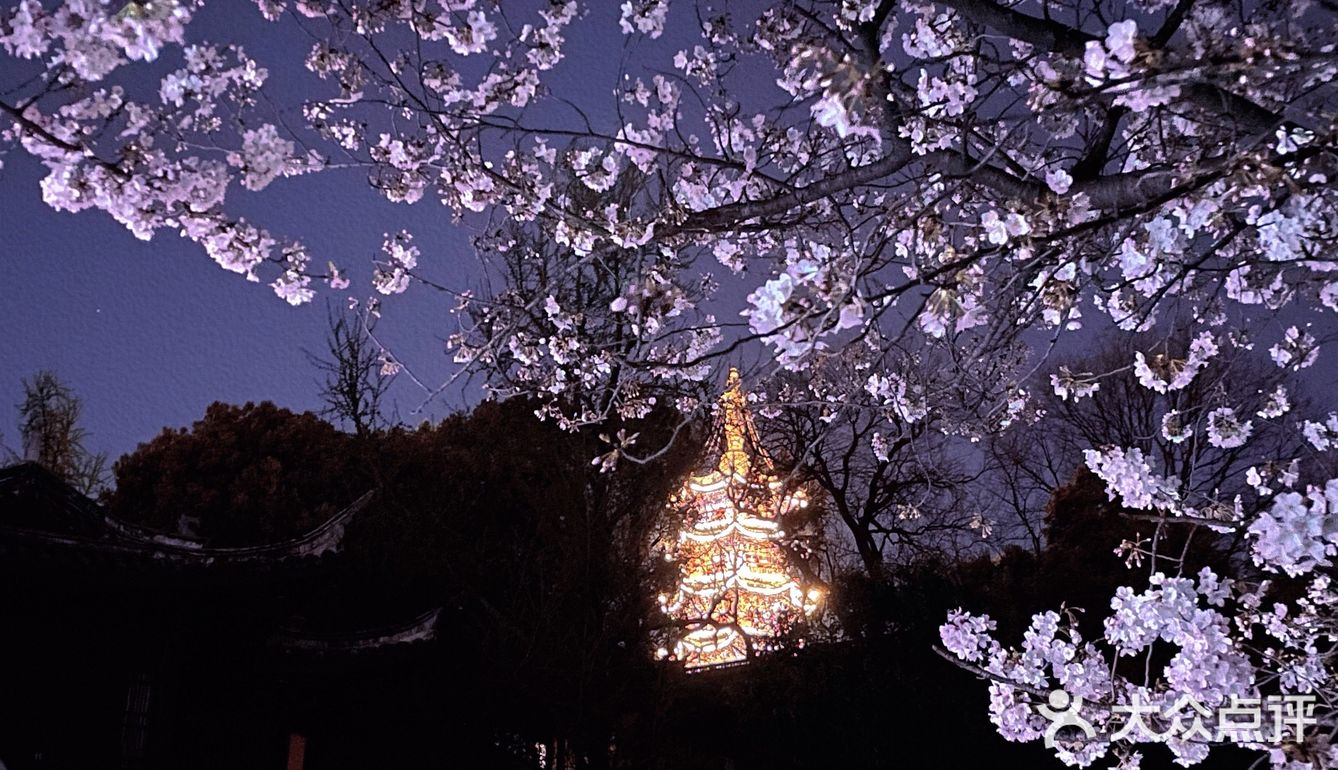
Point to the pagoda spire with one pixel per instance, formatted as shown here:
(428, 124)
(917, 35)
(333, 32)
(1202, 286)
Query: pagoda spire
(734, 408)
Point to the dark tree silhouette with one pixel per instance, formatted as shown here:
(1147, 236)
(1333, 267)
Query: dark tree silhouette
(241, 475)
(52, 436)
(351, 383)
(542, 560)
(891, 482)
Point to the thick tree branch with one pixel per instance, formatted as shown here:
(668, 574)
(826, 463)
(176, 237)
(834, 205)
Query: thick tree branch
(37, 130)
(1250, 117)
(1172, 24)
(1062, 39)
(1098, 152)
(732, 213)
(1046, 34)
(1116, 192)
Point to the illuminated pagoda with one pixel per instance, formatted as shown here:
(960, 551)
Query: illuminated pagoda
(735, 591)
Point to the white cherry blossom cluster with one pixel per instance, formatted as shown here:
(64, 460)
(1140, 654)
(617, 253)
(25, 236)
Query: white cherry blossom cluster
(1207, 672)
(1130, 479)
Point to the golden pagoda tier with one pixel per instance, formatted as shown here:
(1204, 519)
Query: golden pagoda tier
(735, 593)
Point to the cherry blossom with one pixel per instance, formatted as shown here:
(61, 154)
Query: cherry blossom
(1297, 349)
(1067, 385)
(1322, 435)
(1129, 477)
(1225, 430)
(1163, 373)
(644, 16)
(1299, 532)
(264, 156)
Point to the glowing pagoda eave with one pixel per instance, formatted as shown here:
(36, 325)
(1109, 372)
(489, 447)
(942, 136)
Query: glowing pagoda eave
(735, 593)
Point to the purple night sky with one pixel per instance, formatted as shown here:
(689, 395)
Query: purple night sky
(149, 334)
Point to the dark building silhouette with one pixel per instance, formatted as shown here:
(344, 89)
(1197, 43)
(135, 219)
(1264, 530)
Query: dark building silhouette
(122, 648)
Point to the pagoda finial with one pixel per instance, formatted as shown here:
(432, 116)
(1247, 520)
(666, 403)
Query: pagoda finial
(734, 404)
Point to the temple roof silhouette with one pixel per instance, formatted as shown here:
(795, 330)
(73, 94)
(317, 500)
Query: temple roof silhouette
(41, 513)
(57, 542)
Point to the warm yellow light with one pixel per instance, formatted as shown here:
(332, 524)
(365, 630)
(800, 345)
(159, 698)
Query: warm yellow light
(736, 592)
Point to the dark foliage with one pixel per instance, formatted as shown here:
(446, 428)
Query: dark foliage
(540, 565)
(242, 475)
